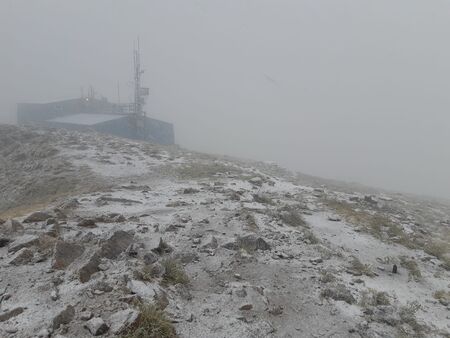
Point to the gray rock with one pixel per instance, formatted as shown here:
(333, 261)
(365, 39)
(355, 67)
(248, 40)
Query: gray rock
(10, 314)
(64, 317)
(147, 291)
(103, 286)
(339, 292)
(252, 243)
(87, 223)
(65, 254)
(96, 326)
(334, 218)
(24, 241)
(21, 257)
(12, 226)
(88, 269)
(4, 241)
(122, 320)
(212, 244)
(38, 216)
(116, 244)
(150, 258)
(44, 333)
(86, 315)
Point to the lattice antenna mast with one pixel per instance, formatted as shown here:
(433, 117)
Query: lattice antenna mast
(139, 92)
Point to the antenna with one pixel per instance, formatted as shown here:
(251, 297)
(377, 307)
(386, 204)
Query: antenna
(140, 93)
(118, 92)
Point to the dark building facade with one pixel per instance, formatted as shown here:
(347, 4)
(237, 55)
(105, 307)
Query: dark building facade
(98, 115)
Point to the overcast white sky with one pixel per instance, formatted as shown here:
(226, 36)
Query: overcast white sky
(350, 89)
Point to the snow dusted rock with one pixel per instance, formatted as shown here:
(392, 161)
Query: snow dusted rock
(211, 245)
(21, 257)
(88, 269)
(252, 243)
(116, 244)
(111, 248)
(69, 204)
(334, 218)
(38, 216)
(147, 291)
(256, 181)
(64, 317)
(65, 253)
(122, 320)
(10, 314)
(86, 315)
(11, 226)
(24, 241)
(96, 326)
(87, 223)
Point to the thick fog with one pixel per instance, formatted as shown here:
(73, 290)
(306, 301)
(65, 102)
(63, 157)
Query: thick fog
(351, 89)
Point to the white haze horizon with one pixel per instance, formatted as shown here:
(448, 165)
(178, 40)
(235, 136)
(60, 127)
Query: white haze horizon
(350, 90)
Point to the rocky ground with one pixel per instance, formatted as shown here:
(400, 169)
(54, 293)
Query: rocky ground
(105, 237)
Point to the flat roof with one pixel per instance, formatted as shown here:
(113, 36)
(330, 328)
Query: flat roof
(86, 119)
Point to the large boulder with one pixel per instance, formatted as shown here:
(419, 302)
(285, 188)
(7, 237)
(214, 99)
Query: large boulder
(12, 226)
(116, 244)
(96, 326)
(10, 314)
(122, 320)
(89, 268)
(24, 241)
(65, 254)
(38, 216)
(21, 257)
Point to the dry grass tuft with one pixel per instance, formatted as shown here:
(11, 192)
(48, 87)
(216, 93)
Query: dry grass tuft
(377, 225)
(373, 297)
(358, 268)
(174, 273)
(152, 323)
(412, 267)
(290, 216)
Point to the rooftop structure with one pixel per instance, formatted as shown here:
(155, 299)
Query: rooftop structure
(126, 120)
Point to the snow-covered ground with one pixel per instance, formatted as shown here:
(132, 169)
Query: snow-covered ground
(264, 254)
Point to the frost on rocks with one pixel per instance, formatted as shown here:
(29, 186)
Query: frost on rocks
(245, 270)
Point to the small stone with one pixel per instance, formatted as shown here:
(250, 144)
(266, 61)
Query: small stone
(86, 315)
(246, 307)
(96, 326)
(87, 223)
(54, 295)
(10, 314)
(316, 260)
